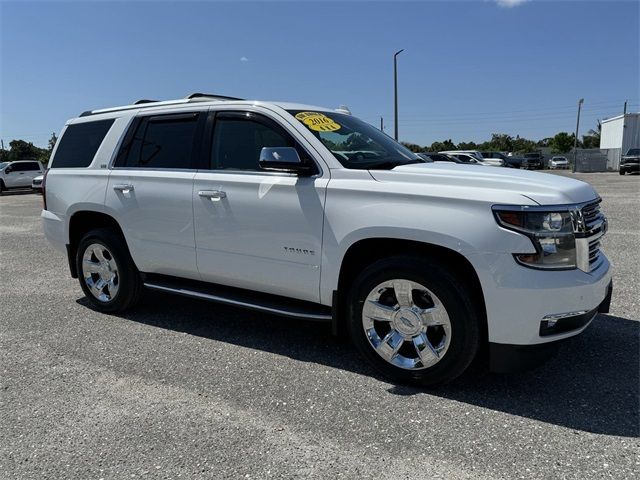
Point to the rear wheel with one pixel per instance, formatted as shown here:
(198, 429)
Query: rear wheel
(106, 271)
(413, 320)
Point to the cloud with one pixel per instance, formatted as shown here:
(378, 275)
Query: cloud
(244, 59)
(510, 3)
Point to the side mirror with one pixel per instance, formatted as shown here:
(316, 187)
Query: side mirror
(283, 159)
(8, 169)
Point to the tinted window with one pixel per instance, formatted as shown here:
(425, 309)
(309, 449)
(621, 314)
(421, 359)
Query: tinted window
(239, 137)
(80, 143)
(164, 141)
(32, 166)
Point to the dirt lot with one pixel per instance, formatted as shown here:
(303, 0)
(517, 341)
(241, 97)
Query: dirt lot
(182, 388)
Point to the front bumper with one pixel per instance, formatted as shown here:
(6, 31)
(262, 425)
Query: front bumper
(630, 167)
(508, 358)
(518, 298)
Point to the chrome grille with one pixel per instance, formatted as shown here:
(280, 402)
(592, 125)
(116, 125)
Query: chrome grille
(592, 216)
(594, 225)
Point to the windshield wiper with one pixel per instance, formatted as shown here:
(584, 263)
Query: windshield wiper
(390, 164)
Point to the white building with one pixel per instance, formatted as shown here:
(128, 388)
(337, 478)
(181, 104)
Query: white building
(618, 135)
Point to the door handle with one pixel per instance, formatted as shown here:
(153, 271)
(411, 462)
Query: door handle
(214, 195)
(123, 188)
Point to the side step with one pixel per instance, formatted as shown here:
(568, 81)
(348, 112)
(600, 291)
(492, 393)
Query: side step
(238, 297)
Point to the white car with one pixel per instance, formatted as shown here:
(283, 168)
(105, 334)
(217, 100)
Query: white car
(475, 154)
(18, 174)
(306, 212)
(36, 184)
(558, 162)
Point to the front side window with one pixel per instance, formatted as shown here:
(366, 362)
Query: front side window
(162, 141)
(355, 143)
(79, 144)
(240, 136)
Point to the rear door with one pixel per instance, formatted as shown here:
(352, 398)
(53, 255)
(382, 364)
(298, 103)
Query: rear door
(150, 191)
(256, 229)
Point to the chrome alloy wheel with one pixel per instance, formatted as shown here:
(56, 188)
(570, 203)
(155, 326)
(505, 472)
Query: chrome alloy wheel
(406, 324)
(100, 272)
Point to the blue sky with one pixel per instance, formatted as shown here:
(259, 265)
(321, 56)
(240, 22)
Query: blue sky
(469, 68)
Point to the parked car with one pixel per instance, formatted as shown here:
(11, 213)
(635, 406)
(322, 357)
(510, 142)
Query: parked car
(36, 184)
(532, 161)
(436, 157)
(18, 174)
(558, 162)
(513, 161)
(306, 212)
(630, 162)
(475, 155)
(498, 159)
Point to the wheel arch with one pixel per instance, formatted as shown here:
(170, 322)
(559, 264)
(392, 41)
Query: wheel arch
(79, 224)
(366, 251)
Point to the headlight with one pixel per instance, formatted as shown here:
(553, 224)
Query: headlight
(551, 233)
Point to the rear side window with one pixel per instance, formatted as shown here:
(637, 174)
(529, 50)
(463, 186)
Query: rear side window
(80, 143)
(25, 166)
(163, 141)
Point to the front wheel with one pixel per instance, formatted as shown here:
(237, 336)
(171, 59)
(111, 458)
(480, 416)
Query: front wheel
(413, 320)
(622, 172)
(106, 272)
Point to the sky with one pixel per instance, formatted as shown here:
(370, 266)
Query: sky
(469, 69)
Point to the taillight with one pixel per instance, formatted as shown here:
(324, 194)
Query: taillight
(44, 189)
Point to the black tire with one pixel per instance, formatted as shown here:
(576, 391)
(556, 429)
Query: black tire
(622, 172)
(2, 187)
(128, 277)
(454, 295)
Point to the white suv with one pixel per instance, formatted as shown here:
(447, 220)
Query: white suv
(306, 212)
(18, 174)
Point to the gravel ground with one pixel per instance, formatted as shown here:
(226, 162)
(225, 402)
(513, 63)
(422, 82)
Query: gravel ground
(179, 388)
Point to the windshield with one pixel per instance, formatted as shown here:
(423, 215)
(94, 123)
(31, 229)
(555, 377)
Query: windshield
(634, 151)
(3, 165)
(354, 143)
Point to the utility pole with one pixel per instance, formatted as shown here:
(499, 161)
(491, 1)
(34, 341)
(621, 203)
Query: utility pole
(381, 124)
(575, 140)
(395, 93)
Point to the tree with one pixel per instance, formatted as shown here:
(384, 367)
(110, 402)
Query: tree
(413, 147)
(592, 138)
(442, 146)
(468, 146)
(562, 142)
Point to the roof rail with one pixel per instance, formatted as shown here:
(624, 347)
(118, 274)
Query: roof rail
(211, 95)
(194, 97)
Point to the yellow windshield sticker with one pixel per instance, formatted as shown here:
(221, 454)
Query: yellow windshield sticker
(318, 122)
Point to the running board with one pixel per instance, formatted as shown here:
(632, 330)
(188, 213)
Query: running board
(261, 302)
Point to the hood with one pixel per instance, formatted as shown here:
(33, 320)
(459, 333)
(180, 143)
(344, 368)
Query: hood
(493, 184)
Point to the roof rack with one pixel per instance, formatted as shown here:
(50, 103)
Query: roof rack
(144, 103)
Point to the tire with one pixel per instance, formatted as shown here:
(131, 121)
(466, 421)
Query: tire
(2, 187)
(432, 285)
(121, 283)
(622, 172)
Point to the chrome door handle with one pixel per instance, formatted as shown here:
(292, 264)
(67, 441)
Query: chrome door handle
(123, 188)
(214, 195)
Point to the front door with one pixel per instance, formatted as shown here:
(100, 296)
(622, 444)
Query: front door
(256, 229)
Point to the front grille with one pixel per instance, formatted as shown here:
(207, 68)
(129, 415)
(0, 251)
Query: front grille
(594, 225)
(592, 215)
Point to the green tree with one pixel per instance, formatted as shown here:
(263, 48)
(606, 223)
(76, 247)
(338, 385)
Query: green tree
(413, 147)
(442, 146)
(592, 138)
(562, 142)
